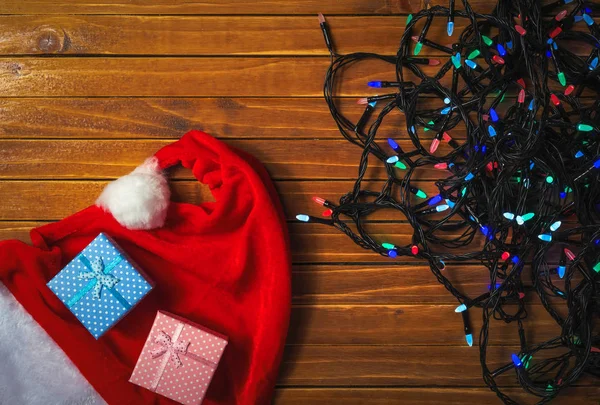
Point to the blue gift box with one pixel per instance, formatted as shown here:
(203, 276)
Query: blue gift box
(100, 285)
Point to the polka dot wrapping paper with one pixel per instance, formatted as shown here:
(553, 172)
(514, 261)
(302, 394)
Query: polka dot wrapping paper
(179, 359)
(100, 285)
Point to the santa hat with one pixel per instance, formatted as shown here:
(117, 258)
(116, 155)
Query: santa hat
(222, 264)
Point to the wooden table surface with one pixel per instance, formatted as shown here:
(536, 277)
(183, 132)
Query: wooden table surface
(92, 87)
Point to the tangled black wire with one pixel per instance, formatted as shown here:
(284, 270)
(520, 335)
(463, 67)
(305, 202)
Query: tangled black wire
(520, 192)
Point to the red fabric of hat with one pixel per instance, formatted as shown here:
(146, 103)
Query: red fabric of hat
(222, 264)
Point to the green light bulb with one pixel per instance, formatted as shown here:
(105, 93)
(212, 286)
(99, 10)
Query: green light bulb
(418, 47)
(487, 40)
(463, 191)
(526, 361)
(400, 165)
(456, 60)
(421, 194)
(549, 179)
(474, 54)
(388, 246)
(528, 216)
(597, 267)
(408, 19)
(584, 127)
(562, 79)
(429, 123)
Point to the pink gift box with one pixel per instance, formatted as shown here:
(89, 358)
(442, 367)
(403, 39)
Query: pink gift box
(179, 359)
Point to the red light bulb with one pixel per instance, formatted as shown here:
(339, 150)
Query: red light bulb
(570, 255)
(414, 249)
(498, 60)
(505, 256)
(554, 100)
(319, 200)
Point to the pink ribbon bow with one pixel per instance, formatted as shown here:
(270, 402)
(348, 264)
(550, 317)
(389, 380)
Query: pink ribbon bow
(173, 348)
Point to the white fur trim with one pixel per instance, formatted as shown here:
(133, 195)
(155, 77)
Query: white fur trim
(33, 369)
(140, 199)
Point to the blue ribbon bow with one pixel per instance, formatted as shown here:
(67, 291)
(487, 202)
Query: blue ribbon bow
(100, 277)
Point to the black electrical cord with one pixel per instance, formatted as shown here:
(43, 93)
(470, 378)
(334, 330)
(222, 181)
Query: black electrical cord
(519, 195)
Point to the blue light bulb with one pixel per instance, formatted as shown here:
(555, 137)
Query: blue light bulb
(531, 165)
(413, 130)
(469, 176)
(515, 259)
(594, 63)
(509, 215)
(501, 49)
(392, 159)
(545, 237)
(509, 45)
(491, 131)
(561, 271)
(435, 200)
(579, 154)
(531, 105)
(376, 84)
(450, 28)
(555, 226)
(445, 111)
(588, 19)
(563, 195)
(597, 164)
(392, 253)
(302, 217)
(446, 100)
(483, 149)
(393, 144)
(485, 230)
(494, 115)
(471, 64)
(577, 18)
(450, 203)
(461, 308)
(441, 208)
(469, 339)
(516, 360)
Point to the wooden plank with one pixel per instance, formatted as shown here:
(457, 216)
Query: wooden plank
(180, 77)
(389, 284)
(163, 7)
(312, 159)
(406, 366)
(423, 396)
(231, 35)
(168, 118)
(20, 198)
(181, 35)
(406, 325)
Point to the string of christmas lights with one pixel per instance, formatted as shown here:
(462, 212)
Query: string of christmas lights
(519, 195)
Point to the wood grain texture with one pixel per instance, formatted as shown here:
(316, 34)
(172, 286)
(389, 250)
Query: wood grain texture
(169, 118)
(224, 7)
(406, 325)
(390, 284)
(194, 35)
(180, 77)
(431, 366)
(187, 35)
(422, 396)
(312, 159)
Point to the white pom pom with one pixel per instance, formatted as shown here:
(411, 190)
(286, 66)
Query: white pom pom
(140, 199)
